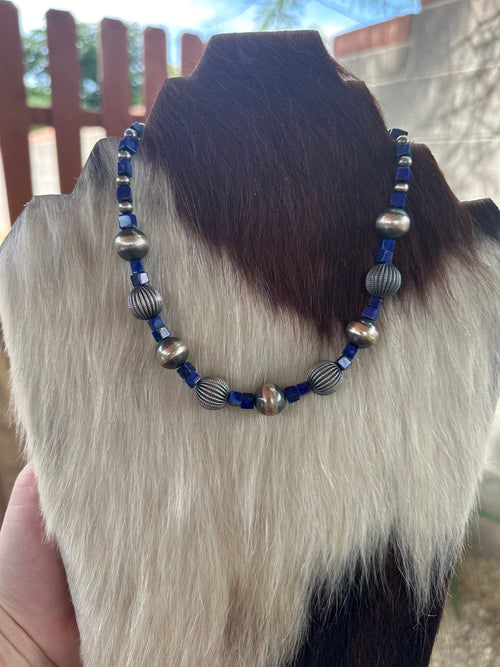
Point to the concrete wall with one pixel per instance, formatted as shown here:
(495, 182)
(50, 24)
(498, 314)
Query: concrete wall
(437, 74)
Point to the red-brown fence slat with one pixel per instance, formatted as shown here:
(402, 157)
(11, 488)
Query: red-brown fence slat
(155, 64)
(191, 51)
(114, 77)
(14, 114)
(64, 69)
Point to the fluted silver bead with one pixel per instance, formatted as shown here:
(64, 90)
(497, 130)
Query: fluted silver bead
(124, 154)
(325, 378)
(401, 187)
(145, 302)
(405, 161)
(212, 393)
(131, 243)
(383, 280)
(362, 332)
(171, 352)
(393, 223)
(125, 207)
(130, 132)
(122, 180)
(270, 399)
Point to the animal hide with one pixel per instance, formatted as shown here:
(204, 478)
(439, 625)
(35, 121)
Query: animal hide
(325, 535)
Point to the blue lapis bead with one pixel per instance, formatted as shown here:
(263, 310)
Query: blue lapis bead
(156, 323)
(192, 380)
(124, 193)
(139, 279)
(398, 199)
(343, 362)
(136, 266)
(160, 334)
(350, 351)
(234, 398)
(247, 401)
(125, 168)
(371, 313)
(396, 132)
(186, 369)
(127, 220)
(403, 174)
(128, 144)
(403, 148)
(292, 394)
(375, 302)
(383, 257)
(387, 244)
(303, 388)
(138, 127)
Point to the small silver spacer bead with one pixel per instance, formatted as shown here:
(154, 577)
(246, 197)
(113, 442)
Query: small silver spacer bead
(125, 206)
(325, 378)
(401, 187)
(393, 223)
(131, 243)
(362, 332)
(145, 302)
(171, 352)
(212, 393)
(270, 399)
(402, 139)
(122, 180)
(124, 155)
(405, 161)
(383, 280)
(130, 132)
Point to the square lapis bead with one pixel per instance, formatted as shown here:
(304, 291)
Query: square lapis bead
(384, 257)
(192, 380)
(127, 220)
(343, 363)
(403, 148)
(125, 168)
(303, 388)
(247, 401)
(371, 313)
(403, 174)
(350, 351)
(139, 279)
(136, 266)
(138, 127)
(124, 193)
(234, 398)
(375, 302)
(156, 323)
(160, 334)
(386, 244)
(398, 199)
(186, 369)
(292, 394)
(395, 132)
(128, 144)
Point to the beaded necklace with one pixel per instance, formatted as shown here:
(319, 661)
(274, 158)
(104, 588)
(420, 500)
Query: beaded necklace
(145, 302)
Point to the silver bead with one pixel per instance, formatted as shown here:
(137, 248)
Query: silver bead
(171, 352)
(125, 207)
(269, 399)
(325, 378)
(131, 243)
(130, 132)
(401, 187)
(145, 302)
(122, 180)
(212, 393)
(124, 155)
(383, 280)
(402, 139)
(405, 161)
(362, 332)
(393, 223)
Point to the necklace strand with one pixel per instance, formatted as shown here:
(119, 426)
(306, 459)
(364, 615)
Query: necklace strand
(145, 302)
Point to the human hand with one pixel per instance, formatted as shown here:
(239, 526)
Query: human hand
(37, 620)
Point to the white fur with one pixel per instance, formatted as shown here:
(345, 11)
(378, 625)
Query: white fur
(192, 537)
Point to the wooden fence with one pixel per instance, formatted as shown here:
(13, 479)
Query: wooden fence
(65, 114)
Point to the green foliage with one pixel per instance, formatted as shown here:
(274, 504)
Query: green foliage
(36, 66)
(279, 14)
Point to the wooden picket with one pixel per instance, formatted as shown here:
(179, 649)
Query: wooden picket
(65, 114)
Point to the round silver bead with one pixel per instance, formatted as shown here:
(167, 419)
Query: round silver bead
(131, 243)
(362, 332)
(405, 161)
(171, 352)
(325, 378)
(383, 280)
(401, 187)
(212, 393)
(402, 139)
(125, 207)
(124, 155)
(270, 399)
(130, 132)
(393, 223)
(145, 302)
(122, 180)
